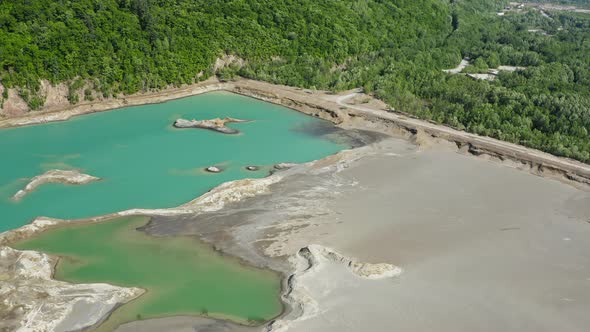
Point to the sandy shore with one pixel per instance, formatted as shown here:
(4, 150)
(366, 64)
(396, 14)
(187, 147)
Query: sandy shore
(482, 247)
(66, 111)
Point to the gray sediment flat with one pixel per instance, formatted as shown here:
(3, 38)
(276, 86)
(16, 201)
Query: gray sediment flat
(483, 246)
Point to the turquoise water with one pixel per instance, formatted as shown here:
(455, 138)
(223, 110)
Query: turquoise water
(143, 161)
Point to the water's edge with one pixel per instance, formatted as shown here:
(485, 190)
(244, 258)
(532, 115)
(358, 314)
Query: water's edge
(235, 191)
(332, 108)
(213, 200)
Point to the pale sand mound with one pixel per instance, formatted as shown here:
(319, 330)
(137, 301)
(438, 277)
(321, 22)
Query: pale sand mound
(216, 124)
(55, 176)
(319, 271)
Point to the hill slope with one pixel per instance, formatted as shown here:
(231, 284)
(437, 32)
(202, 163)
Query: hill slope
(394, 49)
(134, 45)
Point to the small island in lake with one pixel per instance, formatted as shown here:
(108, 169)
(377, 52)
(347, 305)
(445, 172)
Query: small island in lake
(216, 124)
(55, 176)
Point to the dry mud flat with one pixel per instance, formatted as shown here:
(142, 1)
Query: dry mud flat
(482, 246)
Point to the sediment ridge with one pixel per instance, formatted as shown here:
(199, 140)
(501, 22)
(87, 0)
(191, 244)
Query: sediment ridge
(74, 177)
(213, 200)
(307, 261)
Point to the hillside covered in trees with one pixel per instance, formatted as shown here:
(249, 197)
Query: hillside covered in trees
(133, 45)
(394, 49)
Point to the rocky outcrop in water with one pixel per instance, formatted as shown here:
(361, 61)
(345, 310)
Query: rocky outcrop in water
(55, 176)
(32, 301)
(213, 169)
(216, 124)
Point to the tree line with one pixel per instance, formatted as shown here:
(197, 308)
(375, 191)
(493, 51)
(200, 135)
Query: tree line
(394, 49)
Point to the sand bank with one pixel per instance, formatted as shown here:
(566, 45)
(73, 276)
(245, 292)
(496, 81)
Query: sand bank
(55, 176)
(483, 247)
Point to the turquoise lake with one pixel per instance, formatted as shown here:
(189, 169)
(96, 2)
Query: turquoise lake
(146, 163)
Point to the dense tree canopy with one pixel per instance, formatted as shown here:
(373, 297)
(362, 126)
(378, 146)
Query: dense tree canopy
(395, 49)
(132, 45)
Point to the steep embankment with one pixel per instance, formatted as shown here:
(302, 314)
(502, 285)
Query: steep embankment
(335, 109)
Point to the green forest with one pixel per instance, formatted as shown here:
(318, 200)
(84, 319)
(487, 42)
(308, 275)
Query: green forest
(394, 49)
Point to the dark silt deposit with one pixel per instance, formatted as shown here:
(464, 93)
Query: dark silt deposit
(185, 324)
(351, 137)
(238, 227)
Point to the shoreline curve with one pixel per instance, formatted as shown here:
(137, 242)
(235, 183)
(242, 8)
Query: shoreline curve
(335, 109)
